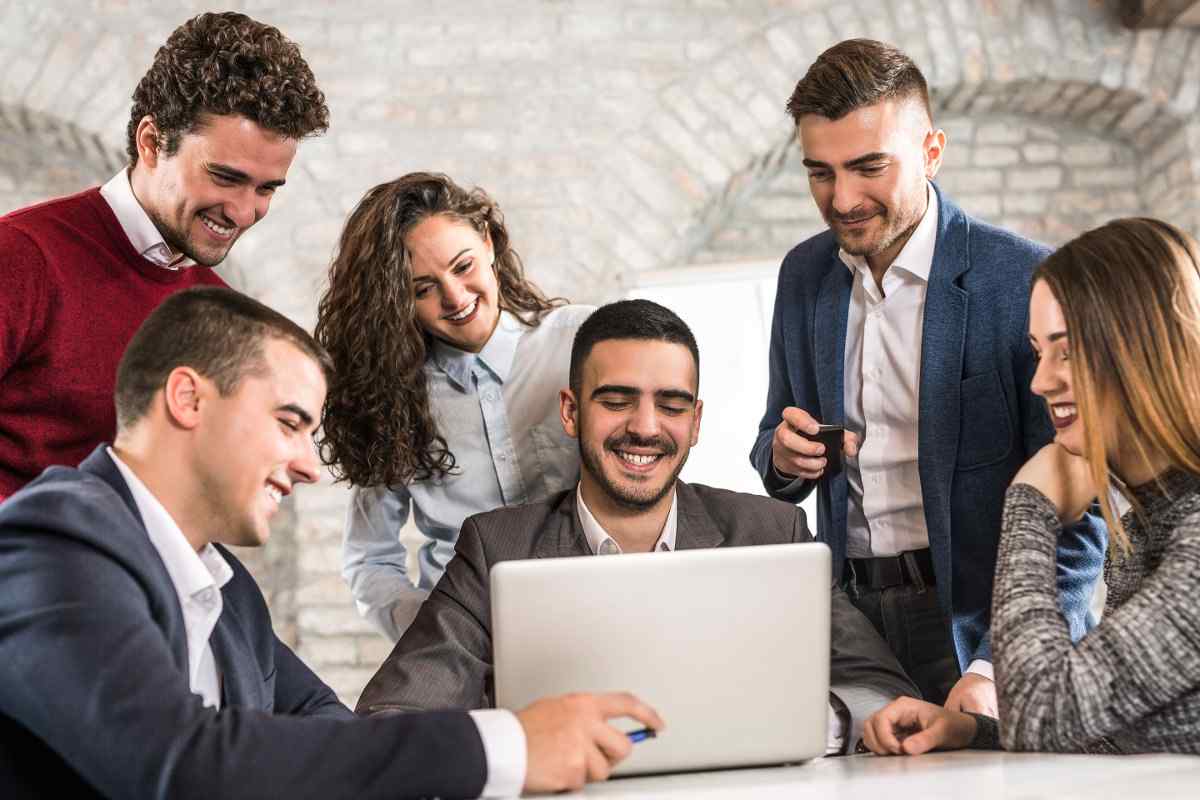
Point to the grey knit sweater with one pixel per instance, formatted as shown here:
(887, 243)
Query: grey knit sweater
(1131, 685)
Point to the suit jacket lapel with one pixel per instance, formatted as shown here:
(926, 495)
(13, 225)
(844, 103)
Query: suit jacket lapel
(942, 346)
(695, 529)
(563, 534)
(241, 679)
(829, 346)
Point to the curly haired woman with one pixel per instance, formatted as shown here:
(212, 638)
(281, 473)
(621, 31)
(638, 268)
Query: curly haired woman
(449, 362)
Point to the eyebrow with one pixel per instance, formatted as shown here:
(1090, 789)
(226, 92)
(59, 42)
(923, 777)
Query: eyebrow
(430, 278)
(242, 177)
(1053, 337)
(292, 408)
(631, 391)
(851, 164)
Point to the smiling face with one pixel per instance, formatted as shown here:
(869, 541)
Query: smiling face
(636, 418)
(1053, 380)
(454, 281)
(254, 444)
(867, 172)
(217, 184)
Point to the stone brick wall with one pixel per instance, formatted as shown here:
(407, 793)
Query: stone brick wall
(618, 135)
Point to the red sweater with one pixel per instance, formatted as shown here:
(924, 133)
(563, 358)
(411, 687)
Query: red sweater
(73, 291)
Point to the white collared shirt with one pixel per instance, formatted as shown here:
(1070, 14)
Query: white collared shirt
(602, 544)
(197, 577)
(143, 234)
(886, 514)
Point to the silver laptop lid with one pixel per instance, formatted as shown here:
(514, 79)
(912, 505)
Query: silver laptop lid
(730, 645)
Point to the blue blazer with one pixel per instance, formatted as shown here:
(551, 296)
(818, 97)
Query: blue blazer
(94, 691)
(977, 420)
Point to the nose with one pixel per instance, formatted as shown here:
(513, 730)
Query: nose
(643, 422)
(454, 294)
(846, 196)
(305, 466)
(1046, 381)
(245, 207)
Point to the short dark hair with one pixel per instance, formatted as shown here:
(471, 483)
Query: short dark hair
(216, 331)
(853, 74)
(222, 64)
(629, 319)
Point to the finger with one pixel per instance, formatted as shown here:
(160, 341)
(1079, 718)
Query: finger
(800, 420)
(624, 704)
(923, 741)
(869, 738)
(598, 766)
(613, 743)
(850, 444)
(954, 700)
(885, 730)
(793, 443)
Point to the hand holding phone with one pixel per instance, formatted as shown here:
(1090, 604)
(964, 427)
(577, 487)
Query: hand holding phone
(831, 437)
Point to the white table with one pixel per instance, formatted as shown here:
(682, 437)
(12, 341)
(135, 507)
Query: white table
(969, 774)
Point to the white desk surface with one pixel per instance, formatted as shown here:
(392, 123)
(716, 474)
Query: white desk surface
(968, 774)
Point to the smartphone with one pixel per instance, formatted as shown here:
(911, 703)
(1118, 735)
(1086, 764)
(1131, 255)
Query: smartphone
(831, 437)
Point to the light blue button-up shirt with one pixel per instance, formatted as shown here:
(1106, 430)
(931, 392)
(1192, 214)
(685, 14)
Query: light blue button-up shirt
(498, 411)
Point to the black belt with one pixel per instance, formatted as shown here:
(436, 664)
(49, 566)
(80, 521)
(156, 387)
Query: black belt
(911, 567)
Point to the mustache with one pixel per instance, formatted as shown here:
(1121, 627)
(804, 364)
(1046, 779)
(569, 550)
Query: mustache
(627, 440)
(858, 215)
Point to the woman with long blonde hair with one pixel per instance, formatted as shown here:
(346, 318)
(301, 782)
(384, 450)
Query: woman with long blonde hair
(448, 363)
(1115, 320)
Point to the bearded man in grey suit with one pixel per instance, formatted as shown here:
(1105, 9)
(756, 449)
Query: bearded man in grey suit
(633, 406)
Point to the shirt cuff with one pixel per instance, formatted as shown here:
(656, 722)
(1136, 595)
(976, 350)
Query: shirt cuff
(504, 749)
(984, 668)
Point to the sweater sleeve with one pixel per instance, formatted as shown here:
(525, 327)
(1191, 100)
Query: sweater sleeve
(1064, 697)
(23, 300)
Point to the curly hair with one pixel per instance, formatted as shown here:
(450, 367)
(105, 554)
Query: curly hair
(223, 64)
(379, 428)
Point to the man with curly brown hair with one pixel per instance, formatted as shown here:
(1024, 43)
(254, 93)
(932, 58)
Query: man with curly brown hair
(214, 127)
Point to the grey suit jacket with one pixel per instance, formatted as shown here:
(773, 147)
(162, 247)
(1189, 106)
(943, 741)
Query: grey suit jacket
(444, 659)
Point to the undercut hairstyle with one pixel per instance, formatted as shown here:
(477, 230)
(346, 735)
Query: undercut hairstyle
(379, 428)
(227, 64)
(640, 320)
(1130, 296)
(854, 74)
(216, 331)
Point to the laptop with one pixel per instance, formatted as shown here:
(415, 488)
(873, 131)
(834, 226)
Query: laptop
(730, 646)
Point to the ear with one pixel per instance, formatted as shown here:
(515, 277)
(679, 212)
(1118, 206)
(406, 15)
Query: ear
(489, 249)
(183, 396)
(568, 411)
(146, 140)
(935, 149)
(696, 422)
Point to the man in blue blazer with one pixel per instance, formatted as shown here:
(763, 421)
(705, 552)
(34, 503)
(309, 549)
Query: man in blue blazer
(137, 657)
(905, 322)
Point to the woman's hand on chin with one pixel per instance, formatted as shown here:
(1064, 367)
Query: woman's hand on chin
(1063, 478)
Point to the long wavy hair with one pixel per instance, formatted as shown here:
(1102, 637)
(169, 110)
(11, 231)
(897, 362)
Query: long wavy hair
(378, 426)
(1130, 295)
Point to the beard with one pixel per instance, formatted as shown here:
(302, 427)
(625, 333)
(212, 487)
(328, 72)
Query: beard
(179, 242)
(895, 225)
(633, 495)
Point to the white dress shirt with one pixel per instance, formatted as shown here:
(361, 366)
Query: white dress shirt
(142, 232)
(886, 514)
(198, 578)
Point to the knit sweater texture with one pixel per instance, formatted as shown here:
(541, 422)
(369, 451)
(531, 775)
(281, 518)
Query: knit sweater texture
(74, 291)
(1132, 685)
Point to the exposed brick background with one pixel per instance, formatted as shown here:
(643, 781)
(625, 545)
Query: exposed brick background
(618, 135)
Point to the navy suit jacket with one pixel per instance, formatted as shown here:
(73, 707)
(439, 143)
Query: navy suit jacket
(977, 420)
(94, 691)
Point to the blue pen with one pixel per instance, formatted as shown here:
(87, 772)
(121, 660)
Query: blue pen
(641, 735)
